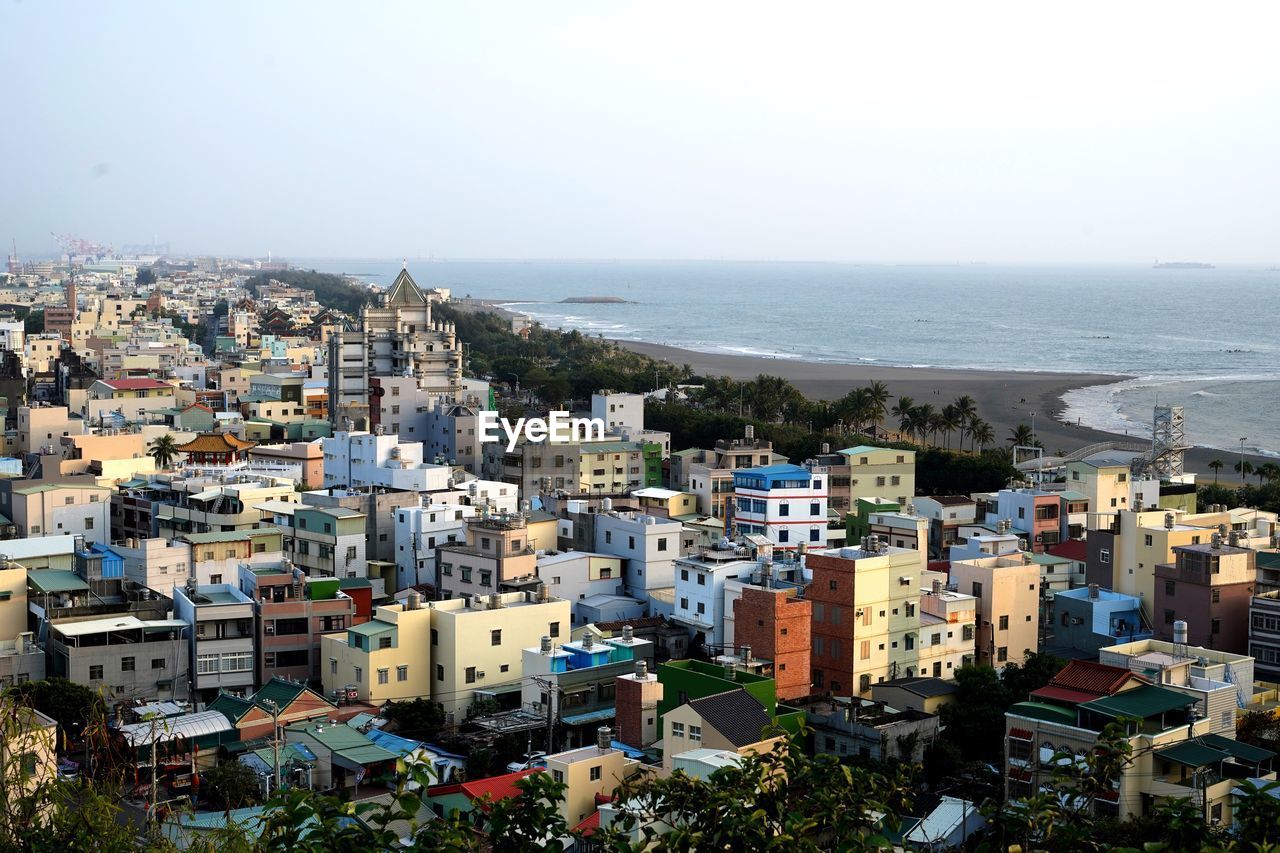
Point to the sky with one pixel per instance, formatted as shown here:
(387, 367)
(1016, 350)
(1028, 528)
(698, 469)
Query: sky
(911, 132)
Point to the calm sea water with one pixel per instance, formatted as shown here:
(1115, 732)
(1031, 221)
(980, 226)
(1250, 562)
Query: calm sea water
(1204, 339)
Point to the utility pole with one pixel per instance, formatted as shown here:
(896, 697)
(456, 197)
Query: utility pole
(275, 739)
(551, 720)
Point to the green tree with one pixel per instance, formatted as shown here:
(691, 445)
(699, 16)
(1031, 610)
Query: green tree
(420, 719)
(782, 799)
(1244, 469)
(974, 722)
(230, 785)
(980, 433)
(145, 277)
(1020, 436)
(1216, 465)
(73, 706)
(163, 449)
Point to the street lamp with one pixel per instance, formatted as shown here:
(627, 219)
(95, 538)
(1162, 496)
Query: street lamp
(1243, 439)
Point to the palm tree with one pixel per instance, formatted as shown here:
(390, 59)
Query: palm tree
(878, 393)
(980, 432)
(1216, 465)
(1244, 469)
(938, 423)
(952, 419)
(163, 450)
(1267, 470)
(923, 417)
(966, 411)
(902, 411)
(1020, 435)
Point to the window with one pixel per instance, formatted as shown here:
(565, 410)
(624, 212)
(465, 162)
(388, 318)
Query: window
(864, 683)
(495, 637)
(702, 607)
(435, 637)
(439, 672)
(384, 642)
(1004, 623)
(237, 662)
(1002, 654)
(383, 676)
(784, 535)
(359, 675)
(333, 666)
(879, 481)
(702, 579)
(553, 629)
(402, 673)
(205, 664)
(677, 729)
(1169, 587)
(1215, 595)
(88, 523)
(662, 543)
(157, 663)
(95, 673)
(126, 664)
(1215, 626)
(695, 734)
(471, 675)
(684, 604)
(1104, 555)
(595, 773)
(784, 510)
(1147, 539)
(815, 508)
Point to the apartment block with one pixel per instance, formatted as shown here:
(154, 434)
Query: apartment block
(1008, 612)
(785, 503)
(126, 657)
(293, 612)
(419, 531)
(865, 619)
(496, 550)
(1208, 586)
(385, 659)
(880, 472)
(776, 624)
(948, 630)
(221, 635)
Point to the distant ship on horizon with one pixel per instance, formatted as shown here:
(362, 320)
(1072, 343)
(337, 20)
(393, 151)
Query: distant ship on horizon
(1181, 265)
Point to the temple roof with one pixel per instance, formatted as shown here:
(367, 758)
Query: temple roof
(215, 442)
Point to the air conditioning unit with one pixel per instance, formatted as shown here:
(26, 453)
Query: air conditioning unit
(480, 674)
(269, 630)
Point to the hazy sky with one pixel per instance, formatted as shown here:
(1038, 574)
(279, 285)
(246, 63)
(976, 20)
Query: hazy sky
(1114, 131)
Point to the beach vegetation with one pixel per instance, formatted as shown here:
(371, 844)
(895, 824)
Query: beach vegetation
(1215, 466)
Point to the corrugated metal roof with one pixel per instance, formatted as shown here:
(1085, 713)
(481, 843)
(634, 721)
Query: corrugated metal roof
(1141, 702)
(189, 726)
(56, 580)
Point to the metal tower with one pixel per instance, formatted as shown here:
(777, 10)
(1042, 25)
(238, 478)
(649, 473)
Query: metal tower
(1168, 442)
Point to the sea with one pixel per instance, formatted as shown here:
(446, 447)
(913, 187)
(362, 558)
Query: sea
(1205, 339)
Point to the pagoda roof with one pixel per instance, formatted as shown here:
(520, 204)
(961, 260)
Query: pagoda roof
(215, 442)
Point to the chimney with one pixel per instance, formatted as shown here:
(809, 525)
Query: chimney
(546, 646)
(604, 738)
(1093, 591)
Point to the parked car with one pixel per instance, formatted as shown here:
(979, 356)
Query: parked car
(529, 759)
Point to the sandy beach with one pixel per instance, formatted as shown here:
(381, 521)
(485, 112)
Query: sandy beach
(1004, 398)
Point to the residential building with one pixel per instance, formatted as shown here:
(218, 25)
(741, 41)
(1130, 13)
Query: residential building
(279, 701)
(785, 503)
(496, 550)
(905, 529)
(293, 612)
(396, 337)
(379, 507)
(924, 694)
(733, 721)
(665, 503)
(380, 460)
(880, 472)
(323, 541)
(54, 509)
(478, 646)
(1174, 752)
(648, 544)
(1264, 634)
(359, 663)
(1209, 586)
(127, 400)
(945, 513)
(1008, 615)
(1091, 618)
(344, 757)
(301, 461)
(209, 505)
(618, 411)
(220, 632)
(450, 435)
(636, 698)
(41, 427)
(579, 576)
(1036, 516)
(574, 682)
(21, 659)
(948, 630)
(865, 620)
(1219, 682)
(776, 625)
(870, 729)
(419, 531)
(28, 751)
(709, 473)
(127, 657)
(589, 773)
(700, 590)
(216, 558)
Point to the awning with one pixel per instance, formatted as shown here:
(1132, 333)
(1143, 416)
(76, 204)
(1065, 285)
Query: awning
(1191, 754)
(207, 494)
(589, 717)
(1020, 734)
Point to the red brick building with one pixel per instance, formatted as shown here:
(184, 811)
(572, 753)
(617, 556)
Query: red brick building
(778, 627)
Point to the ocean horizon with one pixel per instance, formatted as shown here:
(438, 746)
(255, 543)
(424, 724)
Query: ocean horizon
(1158, 331)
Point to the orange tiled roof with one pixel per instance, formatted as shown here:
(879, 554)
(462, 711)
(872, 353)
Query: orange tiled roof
(215, 442)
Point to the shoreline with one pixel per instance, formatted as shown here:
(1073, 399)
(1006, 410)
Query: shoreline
(1004, 398)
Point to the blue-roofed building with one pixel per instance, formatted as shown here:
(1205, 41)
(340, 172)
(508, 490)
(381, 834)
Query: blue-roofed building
(99, 562)
(786, 503)
(1089, 618)
(581, 675)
